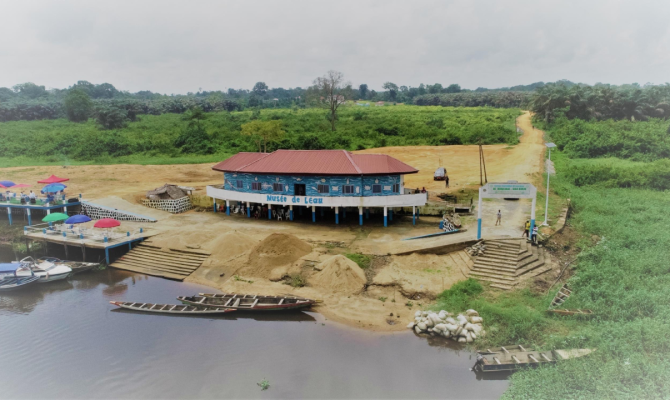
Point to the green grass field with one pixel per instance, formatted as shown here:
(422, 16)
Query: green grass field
(151, 140)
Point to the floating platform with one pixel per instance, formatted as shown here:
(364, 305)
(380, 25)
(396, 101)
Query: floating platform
(166, 263)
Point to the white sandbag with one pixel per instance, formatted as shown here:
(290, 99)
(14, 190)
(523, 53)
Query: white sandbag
(442, 314)
(417, 329)
(461, 320)
(468, 327)
(468, 338)
(424, 313)
(476, 320)
(451, 327)
(472, 313)
(411, 325)
(462, 340)
(429, 330)
(429, 322)
(417, 314)
(458, 331)
(422, 326)
(476, 328)
(473, 335)
(440, 327)
(434, 318)
(450, 320)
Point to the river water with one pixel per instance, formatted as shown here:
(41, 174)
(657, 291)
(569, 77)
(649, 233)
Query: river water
(64, 340)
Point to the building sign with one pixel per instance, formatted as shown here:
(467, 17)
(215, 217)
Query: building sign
(298, 200)
(508, 190)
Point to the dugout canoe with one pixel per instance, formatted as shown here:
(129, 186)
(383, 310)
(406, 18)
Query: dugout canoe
(572, 312)
(247, 302)
(16, 282)
(171, 308)
(511, 358)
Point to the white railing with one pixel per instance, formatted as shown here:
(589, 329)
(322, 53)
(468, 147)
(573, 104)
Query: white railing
(74, 232)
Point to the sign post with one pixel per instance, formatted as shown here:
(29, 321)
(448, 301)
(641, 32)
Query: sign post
(509, 190)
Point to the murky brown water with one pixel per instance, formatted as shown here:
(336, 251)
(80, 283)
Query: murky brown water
(64, 340)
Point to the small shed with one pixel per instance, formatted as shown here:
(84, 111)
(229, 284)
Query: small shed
(171, 198)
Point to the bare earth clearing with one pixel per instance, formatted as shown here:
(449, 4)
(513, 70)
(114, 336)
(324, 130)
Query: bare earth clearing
(251, 256)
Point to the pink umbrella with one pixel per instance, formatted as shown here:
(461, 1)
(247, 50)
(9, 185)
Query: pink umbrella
(53, 179)
(106, 223)
(21, 185)
(1, 186)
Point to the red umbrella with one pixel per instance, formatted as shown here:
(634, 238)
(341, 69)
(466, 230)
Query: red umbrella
(53, 179)
(106, 223)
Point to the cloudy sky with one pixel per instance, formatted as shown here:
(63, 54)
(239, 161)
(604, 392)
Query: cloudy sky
(181, 46)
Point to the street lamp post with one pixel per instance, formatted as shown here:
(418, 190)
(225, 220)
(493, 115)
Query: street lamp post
(546, 206)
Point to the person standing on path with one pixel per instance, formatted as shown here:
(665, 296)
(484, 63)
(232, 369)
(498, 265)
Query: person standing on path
(446, 180)
(498, 218)
(526, 228)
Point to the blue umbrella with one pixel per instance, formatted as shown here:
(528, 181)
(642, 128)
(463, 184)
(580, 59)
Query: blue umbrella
(77, 219)
(53, 188)
(7, 184)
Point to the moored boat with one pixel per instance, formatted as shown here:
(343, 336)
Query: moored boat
(582, 312)
(76, 266)
(47, 271)
(247, 302)
(14, 276)
(170, 308)
(510, 358)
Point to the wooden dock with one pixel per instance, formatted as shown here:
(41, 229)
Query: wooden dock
(167, 263)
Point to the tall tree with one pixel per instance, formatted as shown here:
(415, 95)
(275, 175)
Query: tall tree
(260, 88)
(332, 92)
(78, 105)
(262, 132)
(453, 88)
(363, 91)
(392, 88)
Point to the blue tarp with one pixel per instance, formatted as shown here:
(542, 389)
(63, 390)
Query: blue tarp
(9, 267)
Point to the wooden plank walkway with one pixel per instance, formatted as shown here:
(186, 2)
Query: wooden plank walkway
(169, 263)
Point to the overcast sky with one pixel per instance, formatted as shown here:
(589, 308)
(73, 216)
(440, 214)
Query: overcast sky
(181, 46)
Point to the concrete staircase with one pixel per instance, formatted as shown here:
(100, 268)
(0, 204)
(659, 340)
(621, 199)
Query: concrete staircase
(506, 262)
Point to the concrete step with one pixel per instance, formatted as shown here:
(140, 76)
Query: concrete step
(487, 264)
(457, 261)
(494, 280)
(467, 259)
(496, 260)
(527, 261)
(501, 247)
(511, 274)
(492, 275)
(539, 271)
(501, 286)
(526, 269)
(502, 253)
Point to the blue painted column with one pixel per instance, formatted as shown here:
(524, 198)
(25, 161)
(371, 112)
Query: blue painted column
(413, 215)
(337, 215)
(386, 221)
(390, 214)
(227, 207)
(313, 214)
(290, 212)
(269, 211)
(107, 255)
(479, 228)
(248, 211)
(532, 225)
(360, 216)
(29, 217)
(9, 214)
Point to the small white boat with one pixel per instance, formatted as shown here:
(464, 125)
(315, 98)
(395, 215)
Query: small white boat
(47, 271)
(15, 276)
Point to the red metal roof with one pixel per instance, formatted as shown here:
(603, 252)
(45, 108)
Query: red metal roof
(314, 162)
(237, 161)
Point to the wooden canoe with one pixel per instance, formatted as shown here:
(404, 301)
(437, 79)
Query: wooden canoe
(572, 312)
(510, 358)
(170, 308)
(247, 302)
(76, 266)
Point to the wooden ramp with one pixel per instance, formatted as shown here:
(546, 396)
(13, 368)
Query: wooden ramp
(167, 263)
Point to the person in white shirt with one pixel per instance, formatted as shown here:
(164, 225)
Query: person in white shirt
(498, 218)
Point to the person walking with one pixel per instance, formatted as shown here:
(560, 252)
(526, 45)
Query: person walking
(534, 237)
(498, 218)
(526, 228)
(446, 180)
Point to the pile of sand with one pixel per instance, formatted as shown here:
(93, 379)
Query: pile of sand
(276, 250)
(229, 245)
(339, 275)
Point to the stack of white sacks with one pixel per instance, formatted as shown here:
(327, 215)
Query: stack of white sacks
(464, 328)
